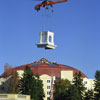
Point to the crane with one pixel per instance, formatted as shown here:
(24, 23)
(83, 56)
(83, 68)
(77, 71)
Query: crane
(47, 3)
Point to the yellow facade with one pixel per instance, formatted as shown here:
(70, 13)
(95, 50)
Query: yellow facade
(46, 79)
(67, 75)
(14, 97)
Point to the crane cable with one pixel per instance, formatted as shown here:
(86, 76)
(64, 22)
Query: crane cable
(47, 20)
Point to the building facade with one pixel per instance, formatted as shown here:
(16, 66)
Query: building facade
(49, 72)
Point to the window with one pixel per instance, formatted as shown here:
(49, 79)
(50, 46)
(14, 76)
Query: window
(48, 87)
(48, 92)
(85, 82)
(50, 38)
(48, 81)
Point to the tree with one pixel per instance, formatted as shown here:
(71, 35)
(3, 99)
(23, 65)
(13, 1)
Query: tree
(72, 93)
(8, 70)
(60, 88)
(31, 85)
(14, 83)
(89, 95)
(38, 89)
(26, 82)
(78, 82)
(11, 84)
(97, 85)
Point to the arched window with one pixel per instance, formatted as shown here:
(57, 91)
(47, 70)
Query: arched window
(50, 39)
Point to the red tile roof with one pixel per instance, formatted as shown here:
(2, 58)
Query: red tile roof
(43, 66)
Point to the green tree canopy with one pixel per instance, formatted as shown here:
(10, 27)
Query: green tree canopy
(78, 82)
(97, 85)
(72, 93)
(60, 88)
(38, 89)
(89, 95)
(31, 85)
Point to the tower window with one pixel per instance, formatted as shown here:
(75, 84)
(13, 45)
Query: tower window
(48, 81)
(50, 38)
(48, 87)
(48, 92)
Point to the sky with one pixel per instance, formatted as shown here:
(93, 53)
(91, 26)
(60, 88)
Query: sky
(76, 27)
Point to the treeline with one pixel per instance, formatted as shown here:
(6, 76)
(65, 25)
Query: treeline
(64, 90)
(28, 84)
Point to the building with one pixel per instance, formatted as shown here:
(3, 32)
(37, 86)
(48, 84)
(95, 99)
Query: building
(14, 97)
(50, 71)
